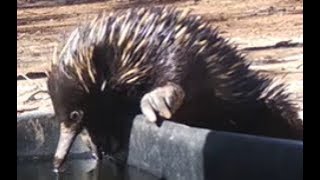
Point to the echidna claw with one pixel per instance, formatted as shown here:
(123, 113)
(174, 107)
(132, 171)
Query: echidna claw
(86, 138)
(164, 101)
(95, 156)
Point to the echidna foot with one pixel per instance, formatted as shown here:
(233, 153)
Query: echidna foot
(164, 100)
(86, 138)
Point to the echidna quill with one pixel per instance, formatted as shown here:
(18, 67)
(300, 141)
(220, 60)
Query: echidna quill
(163, 63)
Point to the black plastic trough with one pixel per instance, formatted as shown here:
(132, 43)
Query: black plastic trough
(175, 151)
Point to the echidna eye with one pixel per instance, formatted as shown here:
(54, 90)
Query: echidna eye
(76, 115)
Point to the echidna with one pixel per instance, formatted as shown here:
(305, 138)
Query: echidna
(165, 63)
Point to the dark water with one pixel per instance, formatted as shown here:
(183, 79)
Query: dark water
(79, 170)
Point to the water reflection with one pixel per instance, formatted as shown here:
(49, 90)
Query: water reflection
(80, 170)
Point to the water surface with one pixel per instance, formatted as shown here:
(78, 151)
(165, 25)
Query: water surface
(79, 170)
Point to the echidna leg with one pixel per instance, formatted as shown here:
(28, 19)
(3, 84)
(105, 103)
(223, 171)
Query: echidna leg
(164, 100)
(85, 136)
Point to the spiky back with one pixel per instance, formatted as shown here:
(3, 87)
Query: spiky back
(138, 43)
(148, 46)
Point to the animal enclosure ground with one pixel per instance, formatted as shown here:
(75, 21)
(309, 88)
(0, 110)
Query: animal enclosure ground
(270, 32)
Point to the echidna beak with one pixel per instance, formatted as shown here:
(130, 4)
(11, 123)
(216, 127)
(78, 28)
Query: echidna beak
(66, 139)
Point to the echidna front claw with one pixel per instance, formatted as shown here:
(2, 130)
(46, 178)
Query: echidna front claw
(164, 100)
(86, 138)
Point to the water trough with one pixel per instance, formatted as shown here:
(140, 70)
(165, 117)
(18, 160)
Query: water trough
(172, 151)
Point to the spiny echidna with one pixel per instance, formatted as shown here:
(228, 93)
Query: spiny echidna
(164, 63)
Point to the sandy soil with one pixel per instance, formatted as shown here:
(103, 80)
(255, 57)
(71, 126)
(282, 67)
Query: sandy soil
(268, 32)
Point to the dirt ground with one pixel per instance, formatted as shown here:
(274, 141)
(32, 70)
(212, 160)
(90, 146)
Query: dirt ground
(269, 32)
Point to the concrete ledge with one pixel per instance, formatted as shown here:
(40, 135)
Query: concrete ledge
(180, 152)
(176, 151)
